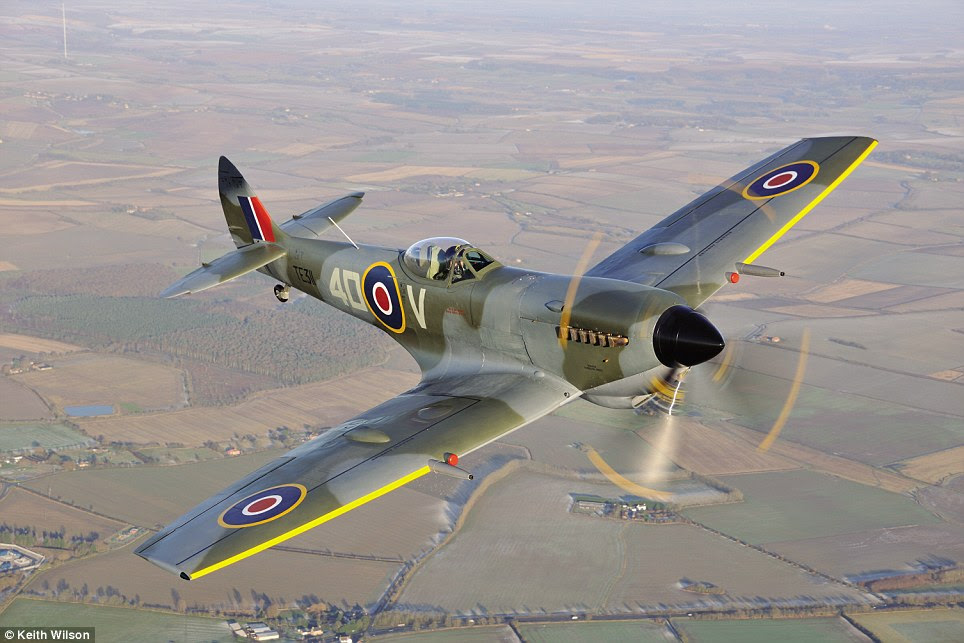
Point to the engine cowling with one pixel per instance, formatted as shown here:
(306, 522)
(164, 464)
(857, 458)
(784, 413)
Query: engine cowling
(608, 330)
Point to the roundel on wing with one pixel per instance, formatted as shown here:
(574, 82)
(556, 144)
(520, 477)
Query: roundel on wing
(383, 297)
(786, 178)
(264, 506)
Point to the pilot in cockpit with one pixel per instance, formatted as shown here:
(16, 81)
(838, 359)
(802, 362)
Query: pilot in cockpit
(441, 257)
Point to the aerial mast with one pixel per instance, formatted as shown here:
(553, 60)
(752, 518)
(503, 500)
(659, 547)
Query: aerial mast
(63, 11)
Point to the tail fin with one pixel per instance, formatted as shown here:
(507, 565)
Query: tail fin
(258, 239)
(248, 220)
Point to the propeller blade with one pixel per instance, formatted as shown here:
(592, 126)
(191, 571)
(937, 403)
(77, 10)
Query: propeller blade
(791, 396)
(581, 267)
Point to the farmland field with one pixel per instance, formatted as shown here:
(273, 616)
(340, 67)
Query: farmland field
(18, 437)
(148, 496)
(20, 403)
(184, 455)
(806, 504)
(707, 449)
(915, 625)
(117, 623)
(934, 467)
(642, 631)
(319, 404)
(284, 576)
(481, 634)
(796, 630)
(835, 464)
(30, 344)
(858, 553)
(896, 432)
(23, 508)
(901, 427)
(93, 378)
(229, 335)
(523, 523)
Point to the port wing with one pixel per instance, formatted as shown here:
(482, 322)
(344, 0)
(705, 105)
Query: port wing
(375, 453)
(691, 251)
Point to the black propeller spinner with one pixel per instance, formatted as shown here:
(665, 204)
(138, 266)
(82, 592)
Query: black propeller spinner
(684, 337)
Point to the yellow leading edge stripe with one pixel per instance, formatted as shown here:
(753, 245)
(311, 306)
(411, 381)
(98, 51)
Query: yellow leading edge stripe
(792, 222)
(312, 524)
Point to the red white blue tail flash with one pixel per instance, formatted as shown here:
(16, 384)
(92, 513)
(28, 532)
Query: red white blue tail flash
(259, 223)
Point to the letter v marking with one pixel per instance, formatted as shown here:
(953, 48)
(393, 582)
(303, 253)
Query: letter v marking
(419, 310)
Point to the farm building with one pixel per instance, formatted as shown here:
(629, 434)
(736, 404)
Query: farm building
(14, 558)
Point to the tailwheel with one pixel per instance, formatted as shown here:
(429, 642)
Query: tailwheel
(281, 292)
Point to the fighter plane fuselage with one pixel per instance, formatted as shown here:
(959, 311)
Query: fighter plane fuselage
(589, 331)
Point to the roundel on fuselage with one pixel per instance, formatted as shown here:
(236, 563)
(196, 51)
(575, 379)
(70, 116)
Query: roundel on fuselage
(382, 296)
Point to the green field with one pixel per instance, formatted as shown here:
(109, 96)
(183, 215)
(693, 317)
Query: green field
(179, 455)
(887, 433)
(878, 432)
(642, 631)
(116, 623)
(385, 156)
(795, 505)
(14, 437)
(484, 634)
(148, 495)
(917, 267)
(915, 625)
(765, 631)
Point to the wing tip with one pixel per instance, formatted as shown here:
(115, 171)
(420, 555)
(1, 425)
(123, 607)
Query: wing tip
(850, 138)
(172, 291)
(168, 567)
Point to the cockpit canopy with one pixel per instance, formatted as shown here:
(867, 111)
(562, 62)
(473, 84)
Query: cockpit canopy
(439, 258)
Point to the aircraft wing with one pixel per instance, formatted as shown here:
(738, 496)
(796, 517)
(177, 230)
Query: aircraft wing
(315, 221)
(349, 465)
(225, 268)
(691, 251)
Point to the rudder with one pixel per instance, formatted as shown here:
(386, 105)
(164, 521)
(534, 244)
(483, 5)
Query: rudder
(248, 220)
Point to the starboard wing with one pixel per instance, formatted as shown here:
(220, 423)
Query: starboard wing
(691, 251)
(350, 465)
(315, 221)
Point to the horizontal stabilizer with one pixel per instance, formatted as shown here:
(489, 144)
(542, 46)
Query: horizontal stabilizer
(234, 264)
(312, 223)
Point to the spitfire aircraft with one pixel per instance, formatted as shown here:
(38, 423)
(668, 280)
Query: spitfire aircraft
(498, 346)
